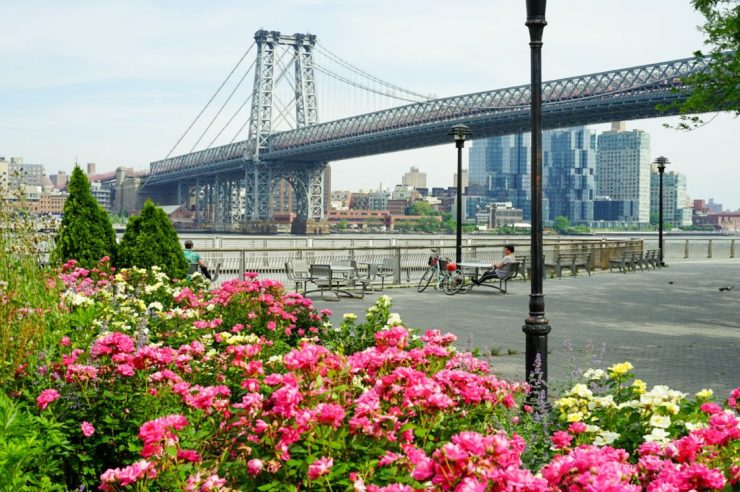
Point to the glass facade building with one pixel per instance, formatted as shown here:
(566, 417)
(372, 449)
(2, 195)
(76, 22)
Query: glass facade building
(569, 166)
(623, 169)
(500, 169)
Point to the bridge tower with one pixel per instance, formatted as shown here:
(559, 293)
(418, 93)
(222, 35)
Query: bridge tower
(260, 176)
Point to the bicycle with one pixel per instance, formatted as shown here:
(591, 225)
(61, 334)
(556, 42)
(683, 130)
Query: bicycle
(445, 271)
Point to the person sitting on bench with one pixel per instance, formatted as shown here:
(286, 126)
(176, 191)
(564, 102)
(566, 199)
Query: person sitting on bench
(500, 269)
(195, 260)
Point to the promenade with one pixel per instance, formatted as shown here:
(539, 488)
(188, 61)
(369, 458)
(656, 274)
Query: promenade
(673, 324)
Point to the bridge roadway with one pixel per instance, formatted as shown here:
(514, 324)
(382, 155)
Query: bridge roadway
(624, 94)
(674, 324)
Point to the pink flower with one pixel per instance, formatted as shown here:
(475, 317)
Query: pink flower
(561, 439)
(254, 467)
(577, 428)
(320, 467)
(46, 397)
(711, 408)
(65, 341)
(87, 428)
(188, 455)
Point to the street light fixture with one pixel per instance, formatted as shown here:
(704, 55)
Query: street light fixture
(536, 327)
(459, 132)
(661, 161)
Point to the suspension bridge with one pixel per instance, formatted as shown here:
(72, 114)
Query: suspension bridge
(287, 147)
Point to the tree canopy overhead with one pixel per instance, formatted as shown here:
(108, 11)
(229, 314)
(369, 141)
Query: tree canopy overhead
(717, 88)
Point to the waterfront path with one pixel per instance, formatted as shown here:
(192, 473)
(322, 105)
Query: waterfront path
(674, 324)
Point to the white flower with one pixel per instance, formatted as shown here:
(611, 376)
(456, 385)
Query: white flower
(595, 374)
(605, 437)
(210, 307)
(660, 421)
(692, 426)
(657, 435)
(155, 306)
(394, 319)
(581, 390)
(350, 316)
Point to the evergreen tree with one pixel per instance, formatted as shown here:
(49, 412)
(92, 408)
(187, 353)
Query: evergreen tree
(150, 239)
(86, 233)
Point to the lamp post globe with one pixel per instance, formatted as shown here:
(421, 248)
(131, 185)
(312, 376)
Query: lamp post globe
(536, 326)
(459, 133)
(661, 163)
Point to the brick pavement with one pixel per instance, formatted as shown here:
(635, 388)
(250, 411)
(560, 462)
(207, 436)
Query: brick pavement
(673, 324)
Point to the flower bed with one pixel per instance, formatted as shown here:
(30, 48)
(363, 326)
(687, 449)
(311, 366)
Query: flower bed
(157, 384)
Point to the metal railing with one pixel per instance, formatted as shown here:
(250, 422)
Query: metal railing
(410, 260)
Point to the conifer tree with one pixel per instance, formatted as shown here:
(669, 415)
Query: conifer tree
(150, 239)
(86, 233)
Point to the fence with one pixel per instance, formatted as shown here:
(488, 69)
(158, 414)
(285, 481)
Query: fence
(410, 260)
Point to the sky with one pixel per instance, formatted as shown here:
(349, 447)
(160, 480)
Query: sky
(117, 82)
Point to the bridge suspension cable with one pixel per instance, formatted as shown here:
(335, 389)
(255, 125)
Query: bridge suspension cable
(246, 53)
(218, 113)
(335, 58)
(361, 86)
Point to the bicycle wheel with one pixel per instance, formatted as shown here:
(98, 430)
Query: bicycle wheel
(453, 283)
(426, 279)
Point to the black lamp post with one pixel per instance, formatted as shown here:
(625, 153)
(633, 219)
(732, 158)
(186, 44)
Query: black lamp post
(536, 327)
(459, 132)
(661, 161)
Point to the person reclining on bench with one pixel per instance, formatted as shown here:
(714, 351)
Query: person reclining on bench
(500, 269)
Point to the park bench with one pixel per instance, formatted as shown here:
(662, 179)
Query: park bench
(651, 258)
(491, 281)
(571, 261)
(626, 261)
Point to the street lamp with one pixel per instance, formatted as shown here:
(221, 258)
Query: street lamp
(536, 327)
(459, 132)
(661, 161)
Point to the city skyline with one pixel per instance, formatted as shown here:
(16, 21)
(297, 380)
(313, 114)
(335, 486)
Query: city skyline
(105, 86)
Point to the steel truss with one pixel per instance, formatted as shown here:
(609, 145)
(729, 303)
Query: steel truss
(629, 93)
(307, 180)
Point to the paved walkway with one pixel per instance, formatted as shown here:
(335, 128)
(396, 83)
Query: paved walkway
(673, 324)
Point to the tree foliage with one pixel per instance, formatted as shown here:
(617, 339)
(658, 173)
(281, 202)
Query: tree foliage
(86, 233)
(149, 240)
(718, 87)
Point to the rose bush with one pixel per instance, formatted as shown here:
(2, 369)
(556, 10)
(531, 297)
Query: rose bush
(161, 384)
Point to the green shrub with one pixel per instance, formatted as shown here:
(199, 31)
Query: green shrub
(151, 240)
(31, 449)
(86, 234)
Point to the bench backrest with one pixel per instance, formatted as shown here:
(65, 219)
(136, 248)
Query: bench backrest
(513, 270)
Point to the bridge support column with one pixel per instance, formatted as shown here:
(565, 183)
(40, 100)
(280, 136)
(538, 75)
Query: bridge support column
(307, 180)
(258, 183)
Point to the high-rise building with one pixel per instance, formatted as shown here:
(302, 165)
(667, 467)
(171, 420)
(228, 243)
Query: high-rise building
(20, 173)
(465, 179)
(623, 169)
(569, 164)
(414, 178)
(91, 169)
(500, 169)
(677, 209)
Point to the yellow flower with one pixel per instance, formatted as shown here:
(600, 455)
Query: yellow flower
(704, 394)
(575, 417)
(640, 386)
(671, 408)
(618, 370)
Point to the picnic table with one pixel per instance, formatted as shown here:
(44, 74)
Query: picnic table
(502, 281)
(337, 279)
